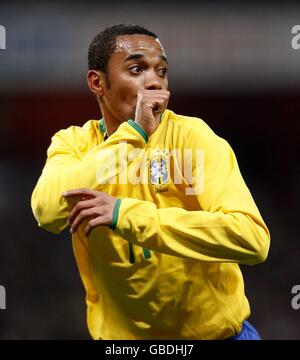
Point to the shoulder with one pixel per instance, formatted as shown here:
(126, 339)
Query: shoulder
(199, 136)
(89, 129)
(194, 129)
(77, 138)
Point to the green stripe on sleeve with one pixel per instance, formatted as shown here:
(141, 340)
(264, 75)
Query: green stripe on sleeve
(115, 214)
(147, 253)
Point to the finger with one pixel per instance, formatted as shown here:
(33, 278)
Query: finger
(154, 92)
(158, 110)
(150, 98)
(159, 106)
(72, 201)
(83, 215)
(81, 205)
(98, 221)
(148, 94)
(83, 192)
(161, 98)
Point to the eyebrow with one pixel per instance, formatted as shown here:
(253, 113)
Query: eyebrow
(139, 56)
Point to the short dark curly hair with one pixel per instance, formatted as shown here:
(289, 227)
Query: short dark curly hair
(104, 44)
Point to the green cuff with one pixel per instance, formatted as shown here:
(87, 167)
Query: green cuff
(138, 128)
(115, 214)
(147, 253)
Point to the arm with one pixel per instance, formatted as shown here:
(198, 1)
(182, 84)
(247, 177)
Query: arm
(65, 170)
(228, 228)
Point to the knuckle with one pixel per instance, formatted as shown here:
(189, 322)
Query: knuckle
(100, 210)
(97, 201)
(84, 191)
(84, 212)
(78, 208)
(144, 100)
(91, 223)
(106, 208)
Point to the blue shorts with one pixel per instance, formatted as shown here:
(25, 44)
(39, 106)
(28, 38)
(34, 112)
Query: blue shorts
(248, 332)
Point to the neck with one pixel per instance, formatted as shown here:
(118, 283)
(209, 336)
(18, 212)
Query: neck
(111, 122)
(110, 125)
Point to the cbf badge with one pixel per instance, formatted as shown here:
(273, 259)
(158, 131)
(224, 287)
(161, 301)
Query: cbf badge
(159, 169)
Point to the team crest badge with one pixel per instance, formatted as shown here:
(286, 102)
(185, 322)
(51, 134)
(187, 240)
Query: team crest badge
(159, 169)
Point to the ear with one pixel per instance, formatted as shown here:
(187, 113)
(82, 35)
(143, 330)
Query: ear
(96, 80)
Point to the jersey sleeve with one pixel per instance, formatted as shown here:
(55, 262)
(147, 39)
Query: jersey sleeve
(65, 170)
(227, 228)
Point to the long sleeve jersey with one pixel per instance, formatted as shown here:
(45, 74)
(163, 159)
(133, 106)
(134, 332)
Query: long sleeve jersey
(168, 267)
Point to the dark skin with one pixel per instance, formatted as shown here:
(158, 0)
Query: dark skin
(134, 88)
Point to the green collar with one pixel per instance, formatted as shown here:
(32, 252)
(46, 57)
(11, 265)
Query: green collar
(103, 130)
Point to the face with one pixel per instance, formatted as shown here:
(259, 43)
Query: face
(139, 62)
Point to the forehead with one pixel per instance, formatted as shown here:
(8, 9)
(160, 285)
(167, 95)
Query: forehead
(144, 44)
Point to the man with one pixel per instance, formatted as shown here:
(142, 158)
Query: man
(159, 213)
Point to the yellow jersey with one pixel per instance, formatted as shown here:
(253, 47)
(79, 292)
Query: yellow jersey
(167, 268)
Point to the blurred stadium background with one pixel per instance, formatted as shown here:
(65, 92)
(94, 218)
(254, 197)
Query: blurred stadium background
(231, 63)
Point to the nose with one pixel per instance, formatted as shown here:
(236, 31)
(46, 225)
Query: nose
(153, 81)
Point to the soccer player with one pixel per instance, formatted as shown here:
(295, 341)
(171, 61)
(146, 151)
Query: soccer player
(159, 213)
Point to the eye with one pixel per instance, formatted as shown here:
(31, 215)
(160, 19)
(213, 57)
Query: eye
(162, 72)
(135, 69)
